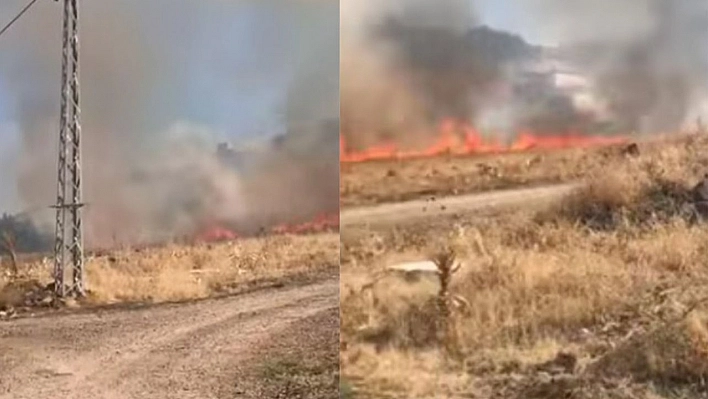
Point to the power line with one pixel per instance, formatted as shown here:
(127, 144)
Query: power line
(18, 16)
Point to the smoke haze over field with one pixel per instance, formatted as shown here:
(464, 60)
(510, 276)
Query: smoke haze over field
(162, 83)
(650, 57)
(379, 98)
(410, 63)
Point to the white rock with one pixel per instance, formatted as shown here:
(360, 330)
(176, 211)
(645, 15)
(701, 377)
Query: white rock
(425, 266)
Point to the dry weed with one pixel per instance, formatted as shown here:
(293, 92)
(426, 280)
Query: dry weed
(174, 273)
(669, 353)
(606, 280)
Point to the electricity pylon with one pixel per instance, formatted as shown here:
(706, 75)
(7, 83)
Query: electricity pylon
(68, 241)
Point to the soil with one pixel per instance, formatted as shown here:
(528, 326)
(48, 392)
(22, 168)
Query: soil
(192, 350)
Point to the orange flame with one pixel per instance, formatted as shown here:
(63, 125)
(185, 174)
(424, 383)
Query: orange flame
(215, 233)
(320, 224)
(473, 143)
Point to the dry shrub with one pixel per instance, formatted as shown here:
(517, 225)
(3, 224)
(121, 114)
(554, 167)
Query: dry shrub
(600, 204)
(8, 245)
(672, 353)
(174, 273)
(519, 298)
(673, 247)
(603, 206)
(414, 310)
(393, 313)
(13, 294)
(403, 374)
(638, 193)
(179, 273)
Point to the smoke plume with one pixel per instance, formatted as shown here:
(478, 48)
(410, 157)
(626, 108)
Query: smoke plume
(649, 59)
(399, 64)
(409, 64)
(150, 173)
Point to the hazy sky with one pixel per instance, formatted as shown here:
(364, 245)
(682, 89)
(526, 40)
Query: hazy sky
(508, 15)
(249, 43)
(4, 104)
(235, 60)
(235, 40)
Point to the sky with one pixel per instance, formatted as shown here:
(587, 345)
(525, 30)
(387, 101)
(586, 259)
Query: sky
(234, 41)
(5, 112)
(237, 60)
(231, 43)
(230, 40)
(507, 15)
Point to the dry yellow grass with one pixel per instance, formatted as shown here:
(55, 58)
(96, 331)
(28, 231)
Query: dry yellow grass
(393, 181)
(601, 296)
(174, 272)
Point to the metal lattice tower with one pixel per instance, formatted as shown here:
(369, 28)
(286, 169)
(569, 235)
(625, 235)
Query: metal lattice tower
(68, 242)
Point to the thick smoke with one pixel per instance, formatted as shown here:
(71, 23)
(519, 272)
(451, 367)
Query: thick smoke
(409, 64)
(311, 114)
(649, 58)
(147, 174)
(408, 67)
(399, 65)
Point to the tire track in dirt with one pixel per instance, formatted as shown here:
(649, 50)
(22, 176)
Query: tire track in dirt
(186, 351)
(387, 214)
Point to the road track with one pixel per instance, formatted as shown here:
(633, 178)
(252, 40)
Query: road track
(190, 350)
(390, 214)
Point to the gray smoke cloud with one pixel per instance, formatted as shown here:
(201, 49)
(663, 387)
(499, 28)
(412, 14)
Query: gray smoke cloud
(408, 64)
(386, 90)
(648, 57)
(149, 173)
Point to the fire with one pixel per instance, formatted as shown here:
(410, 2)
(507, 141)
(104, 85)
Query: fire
(473, 143)
(320, 224)
(216, 233)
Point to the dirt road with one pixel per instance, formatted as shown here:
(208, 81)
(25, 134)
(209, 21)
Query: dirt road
(173, 351)
(386, 214)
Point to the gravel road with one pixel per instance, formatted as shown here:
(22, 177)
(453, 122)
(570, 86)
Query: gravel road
(170, 351)
(388, 214)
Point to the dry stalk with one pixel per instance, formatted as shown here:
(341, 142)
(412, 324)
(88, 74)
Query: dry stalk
(445, 262)
(8, 244)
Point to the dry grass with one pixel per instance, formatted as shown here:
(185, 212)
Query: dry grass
(393, 181)
(175, 273)
(601, 296)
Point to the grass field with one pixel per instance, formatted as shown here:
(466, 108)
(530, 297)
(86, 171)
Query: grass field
(179, 272)
(604, 295)
(370, 183)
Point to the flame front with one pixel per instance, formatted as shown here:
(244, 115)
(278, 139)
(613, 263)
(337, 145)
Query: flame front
(470, 142)
(322, 223)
